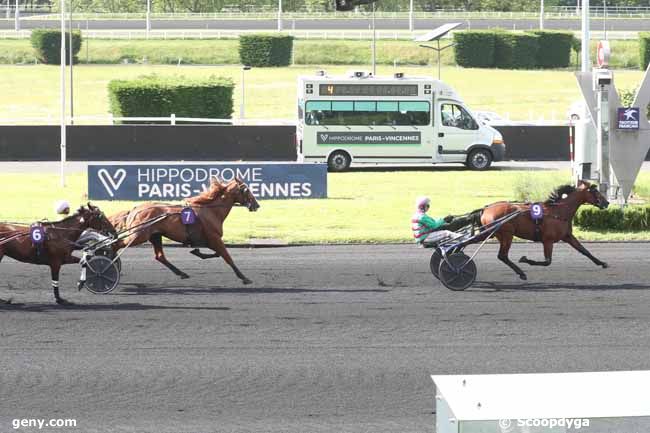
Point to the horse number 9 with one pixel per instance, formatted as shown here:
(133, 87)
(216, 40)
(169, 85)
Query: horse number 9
(536, 211)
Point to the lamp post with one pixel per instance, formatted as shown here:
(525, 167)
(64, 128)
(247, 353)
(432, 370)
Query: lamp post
(63, 125)
(586, 66)
(374, 43)
(243, 92)
(70, 63)
(16, 17)
(148, 18)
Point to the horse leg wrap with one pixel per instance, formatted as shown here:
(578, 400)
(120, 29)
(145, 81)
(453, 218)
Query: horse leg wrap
(55, 289)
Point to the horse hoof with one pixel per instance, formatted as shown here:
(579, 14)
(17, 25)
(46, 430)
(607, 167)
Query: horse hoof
(184, 276)
(246, 281)
(523, 277)
(523, 259)
(62, 301)
(5, 301)
(605, 265)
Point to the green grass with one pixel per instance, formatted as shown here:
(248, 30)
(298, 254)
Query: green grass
(29, 91)
(363, 206)
(625, 54)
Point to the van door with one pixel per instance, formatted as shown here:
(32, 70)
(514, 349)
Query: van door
(457, 131)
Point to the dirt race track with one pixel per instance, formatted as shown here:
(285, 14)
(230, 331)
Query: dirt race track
(326, 339)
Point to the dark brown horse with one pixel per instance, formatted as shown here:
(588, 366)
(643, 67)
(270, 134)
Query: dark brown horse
(58, 245)
(556, 224)
(211, 208)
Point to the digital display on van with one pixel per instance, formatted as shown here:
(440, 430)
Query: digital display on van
(368, 90)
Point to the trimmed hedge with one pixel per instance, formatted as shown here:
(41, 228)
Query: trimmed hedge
(262, 50)
(554, 48)
(631, 218)
(153, 96)
(644, 49)
(47, 44)
(515, 50)
(474, 48)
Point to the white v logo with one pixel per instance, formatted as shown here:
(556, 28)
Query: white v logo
(112, 183)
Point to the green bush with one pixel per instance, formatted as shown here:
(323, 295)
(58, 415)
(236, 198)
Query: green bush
(630, 218)
(265, 50)
(554, 48)
(47, 44)
(530, 187)
(153, 96)
(474, 49)
(515, 50)
(644, 49)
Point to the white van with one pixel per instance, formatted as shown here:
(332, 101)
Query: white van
(395, 120)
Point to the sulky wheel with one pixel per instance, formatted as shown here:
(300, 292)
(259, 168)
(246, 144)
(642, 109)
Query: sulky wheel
(458, 272)
(102, 275)
(107, 252)
(434, 263)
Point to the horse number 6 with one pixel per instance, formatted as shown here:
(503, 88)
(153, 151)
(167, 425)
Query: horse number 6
(37, 235)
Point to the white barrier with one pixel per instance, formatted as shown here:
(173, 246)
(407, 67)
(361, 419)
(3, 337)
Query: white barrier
(300, 34)
(543, 403)
(110, 120)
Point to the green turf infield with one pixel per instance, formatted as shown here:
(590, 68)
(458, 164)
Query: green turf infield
(625, 53)
(362, 206)
(33, 91)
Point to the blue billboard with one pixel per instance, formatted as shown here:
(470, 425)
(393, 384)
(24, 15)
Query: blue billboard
(176, 182)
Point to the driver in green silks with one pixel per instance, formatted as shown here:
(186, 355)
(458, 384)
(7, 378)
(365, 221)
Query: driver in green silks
(428, 230)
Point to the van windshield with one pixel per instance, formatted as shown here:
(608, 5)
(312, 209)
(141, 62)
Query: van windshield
(456, 116)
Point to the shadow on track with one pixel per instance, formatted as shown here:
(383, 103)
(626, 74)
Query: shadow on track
(553, 287)
(438, 168)
(47, 308)
(140, 289)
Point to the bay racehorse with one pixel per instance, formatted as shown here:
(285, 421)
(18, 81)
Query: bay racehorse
(58, 245)
(556, 225)
(153, 221)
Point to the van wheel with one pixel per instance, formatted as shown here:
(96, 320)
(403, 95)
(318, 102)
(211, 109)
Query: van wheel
(479, 159)
(339, 161)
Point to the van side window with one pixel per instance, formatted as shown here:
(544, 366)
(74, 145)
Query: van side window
(457, 117)
(368, 113)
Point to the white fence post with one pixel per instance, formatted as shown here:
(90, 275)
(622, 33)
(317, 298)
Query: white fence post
(173, 117)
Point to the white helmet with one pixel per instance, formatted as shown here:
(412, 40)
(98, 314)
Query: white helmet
(422, 202)
(62, 207)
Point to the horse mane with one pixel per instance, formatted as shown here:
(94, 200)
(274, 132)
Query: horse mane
(68, 218)
(213, 193)
(559, 192)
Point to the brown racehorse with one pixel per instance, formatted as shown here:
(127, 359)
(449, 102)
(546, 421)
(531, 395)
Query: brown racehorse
(59, 243)
(556, 225)
(211, 208)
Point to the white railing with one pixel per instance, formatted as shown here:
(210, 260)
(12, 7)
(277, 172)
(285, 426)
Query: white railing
(110, 120)
(533, 119)
(299, 34)
(220, 34)
(552, 13)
